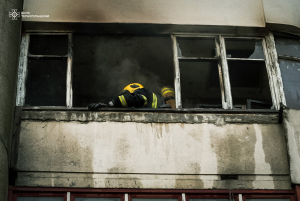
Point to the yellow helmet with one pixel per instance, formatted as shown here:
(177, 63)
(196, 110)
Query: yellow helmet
(132, 87)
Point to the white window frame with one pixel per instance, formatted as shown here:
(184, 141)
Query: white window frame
(275, 66)
(268, 43)
(274, 79)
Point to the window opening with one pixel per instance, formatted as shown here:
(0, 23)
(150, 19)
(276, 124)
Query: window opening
(208, 69)
(241, 48)
(46, 82)
(248, 73)
(199, 72)
(196, 47)
(45, 70)
(200, 86)
(104, 65)
(48, 45)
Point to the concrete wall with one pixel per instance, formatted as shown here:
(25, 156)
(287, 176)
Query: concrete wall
(292, 131)
(9, 46)
(125, 154)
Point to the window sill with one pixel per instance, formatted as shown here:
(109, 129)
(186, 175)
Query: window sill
(144, 115)
(159, 110)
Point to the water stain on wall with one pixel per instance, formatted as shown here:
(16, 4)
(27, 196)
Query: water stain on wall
(234, 150)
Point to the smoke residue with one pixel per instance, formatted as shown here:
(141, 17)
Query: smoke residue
(129, 71)
(104, 65)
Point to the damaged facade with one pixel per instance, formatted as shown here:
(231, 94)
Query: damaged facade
(235, 68)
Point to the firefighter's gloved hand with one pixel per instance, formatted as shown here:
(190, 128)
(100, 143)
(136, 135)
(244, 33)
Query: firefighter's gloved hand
(95, 106)
(165, 106)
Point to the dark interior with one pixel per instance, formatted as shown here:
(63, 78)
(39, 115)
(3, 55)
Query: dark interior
(103, 65)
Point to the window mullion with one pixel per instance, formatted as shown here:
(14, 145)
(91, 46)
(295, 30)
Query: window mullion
(69, 94)
(226, 80)
(22, 71)
(274, 72)
(68, 196)
(183, 197)
(177, 74)
(221, 75)
(240, 197)
(272, 79)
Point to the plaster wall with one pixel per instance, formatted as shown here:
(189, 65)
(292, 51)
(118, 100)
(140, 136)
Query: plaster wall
(282, 12)
(292, 131)
(193, 12)
(9, 46)
(151, 155)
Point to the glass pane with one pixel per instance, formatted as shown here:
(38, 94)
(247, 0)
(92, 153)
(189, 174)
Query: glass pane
(196, 47)
(290, 72)
(268, 199)
(249, 81)
(154, 199)
(287, 46)
(104, 65)
(97, 199)
(244, 48)
(46, 83)
(48, 44)
(40, 199)
(200, 85)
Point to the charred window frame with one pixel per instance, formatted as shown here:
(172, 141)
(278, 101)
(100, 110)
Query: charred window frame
(26, 56)
(223, 69)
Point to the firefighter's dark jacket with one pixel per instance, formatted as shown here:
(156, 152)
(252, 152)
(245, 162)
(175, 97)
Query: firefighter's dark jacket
(141, 97)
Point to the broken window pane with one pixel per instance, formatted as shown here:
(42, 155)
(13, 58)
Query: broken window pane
(287, 46)
(249, 81)
(46, 83)
(104, 65)
(48, 44)
(196, 47)
(244, 48)
(290, 72)
(200, 85)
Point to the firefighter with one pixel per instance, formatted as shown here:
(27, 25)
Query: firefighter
(134, 95)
